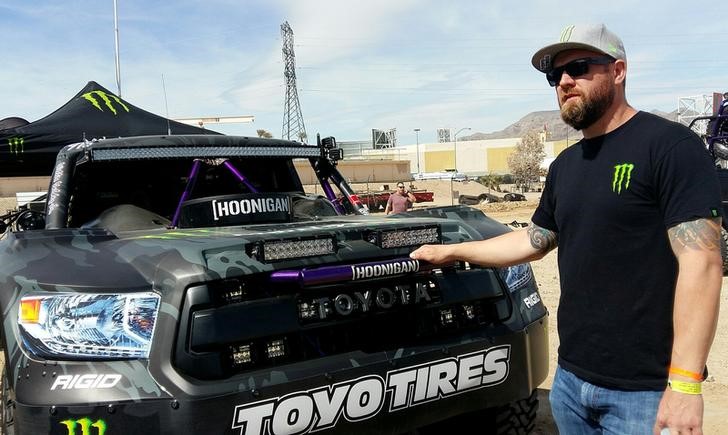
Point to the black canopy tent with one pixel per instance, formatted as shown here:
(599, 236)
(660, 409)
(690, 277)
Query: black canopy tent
(93, 113)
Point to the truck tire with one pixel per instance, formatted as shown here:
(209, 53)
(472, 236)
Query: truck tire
(6, 413)
(517, 418)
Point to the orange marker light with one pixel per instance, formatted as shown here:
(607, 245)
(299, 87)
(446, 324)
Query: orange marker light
(29, 310)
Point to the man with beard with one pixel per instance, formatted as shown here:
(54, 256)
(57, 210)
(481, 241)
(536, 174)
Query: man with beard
(634, 209)
(400, 200)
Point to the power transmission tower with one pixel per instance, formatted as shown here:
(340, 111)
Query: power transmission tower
(293, 128)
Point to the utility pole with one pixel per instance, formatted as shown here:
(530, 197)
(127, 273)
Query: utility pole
(417, 131)
(293, 128)
(116, 51)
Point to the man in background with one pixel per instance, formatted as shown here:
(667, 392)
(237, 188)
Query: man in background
(400, 200)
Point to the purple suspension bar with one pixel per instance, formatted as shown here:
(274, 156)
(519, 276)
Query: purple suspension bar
(240, 176)
(332, 196)
(190, 184)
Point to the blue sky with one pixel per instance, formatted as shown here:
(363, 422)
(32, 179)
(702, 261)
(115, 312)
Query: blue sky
(401, 64)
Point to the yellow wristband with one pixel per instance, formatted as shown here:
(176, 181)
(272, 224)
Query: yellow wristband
(685, 387)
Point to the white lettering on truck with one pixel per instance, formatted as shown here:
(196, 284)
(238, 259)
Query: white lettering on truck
(363, 398)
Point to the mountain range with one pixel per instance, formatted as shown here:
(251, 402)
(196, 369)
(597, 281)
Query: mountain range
(548, 119)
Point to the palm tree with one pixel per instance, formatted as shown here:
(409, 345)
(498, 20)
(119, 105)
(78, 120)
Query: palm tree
(264, 133)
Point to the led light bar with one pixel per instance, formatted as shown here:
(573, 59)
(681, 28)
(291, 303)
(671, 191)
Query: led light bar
(469, 311)
(166, 152)
(242, 354)
(308, 310)
(405, 237)
(234, 291)
(275, 349)
(286, 249)
(447, 317)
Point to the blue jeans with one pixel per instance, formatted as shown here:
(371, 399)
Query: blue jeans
(579, 407)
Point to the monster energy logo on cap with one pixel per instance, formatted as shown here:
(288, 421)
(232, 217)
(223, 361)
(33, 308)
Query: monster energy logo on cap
(622, 177)
(15, 145)
(107, 98)
(592, 37)
(566, 33)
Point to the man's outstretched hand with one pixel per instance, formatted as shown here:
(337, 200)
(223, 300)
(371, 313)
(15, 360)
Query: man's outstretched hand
(435, 254)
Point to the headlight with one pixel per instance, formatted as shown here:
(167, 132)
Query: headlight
(80, 325)
(516, 276)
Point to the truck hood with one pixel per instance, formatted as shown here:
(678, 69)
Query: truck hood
(170, 258)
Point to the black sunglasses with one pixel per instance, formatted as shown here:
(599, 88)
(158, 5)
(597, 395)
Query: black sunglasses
(401, 187)
(576, 68)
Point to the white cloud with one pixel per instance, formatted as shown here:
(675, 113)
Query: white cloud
(361, 65)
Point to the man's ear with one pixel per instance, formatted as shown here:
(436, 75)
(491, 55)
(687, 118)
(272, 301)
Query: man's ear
(620, 71)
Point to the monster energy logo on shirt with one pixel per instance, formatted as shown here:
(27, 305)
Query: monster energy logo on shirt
(107, 99)
(622, 177)
(15, 145)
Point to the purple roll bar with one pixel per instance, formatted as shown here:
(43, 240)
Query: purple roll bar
(188, 189)
(240, 176)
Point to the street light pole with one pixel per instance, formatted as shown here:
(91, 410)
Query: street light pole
(116, 51)
(456, 146)
(417, 131)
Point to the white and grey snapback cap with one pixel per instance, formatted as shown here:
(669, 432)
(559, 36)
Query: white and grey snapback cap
(594, 37)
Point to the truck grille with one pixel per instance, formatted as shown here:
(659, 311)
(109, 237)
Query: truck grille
(234, 326)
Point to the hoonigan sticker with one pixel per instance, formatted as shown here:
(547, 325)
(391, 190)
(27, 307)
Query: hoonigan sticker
(376, 270)
(234, 207)
(363, 398)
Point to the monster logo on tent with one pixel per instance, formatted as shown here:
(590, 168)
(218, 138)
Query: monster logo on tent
(15, 144)
(107, 98)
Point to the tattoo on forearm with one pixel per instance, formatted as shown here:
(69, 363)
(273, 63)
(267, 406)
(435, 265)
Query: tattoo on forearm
(700, 234)
(541, 238)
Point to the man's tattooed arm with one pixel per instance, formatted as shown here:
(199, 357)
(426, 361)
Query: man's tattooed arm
(542, 239)
(700, 234)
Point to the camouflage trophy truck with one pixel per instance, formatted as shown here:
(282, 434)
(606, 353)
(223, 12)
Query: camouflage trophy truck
(188, 284)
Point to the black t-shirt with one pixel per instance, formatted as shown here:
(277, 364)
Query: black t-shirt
(611, 199)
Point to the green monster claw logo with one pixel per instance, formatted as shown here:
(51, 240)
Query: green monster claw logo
(622, 176)
(566, 33)
(91, 97)
(15, 144)
(86, 424)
